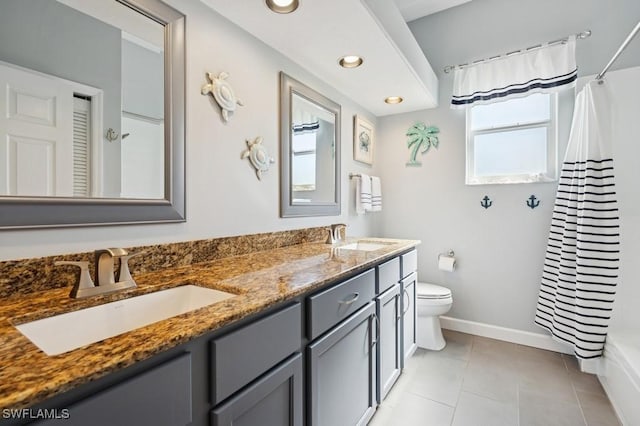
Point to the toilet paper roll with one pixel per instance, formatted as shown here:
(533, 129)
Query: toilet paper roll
(446, 263)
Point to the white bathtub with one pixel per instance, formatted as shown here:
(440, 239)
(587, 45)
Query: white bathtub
(620, 374)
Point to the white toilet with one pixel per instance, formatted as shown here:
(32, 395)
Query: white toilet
(432, 301)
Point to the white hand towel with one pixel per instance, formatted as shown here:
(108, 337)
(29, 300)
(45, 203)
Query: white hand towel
(363, 194)
(376, 194)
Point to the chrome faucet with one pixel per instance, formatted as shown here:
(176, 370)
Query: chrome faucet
(335, 233)
(107, 279)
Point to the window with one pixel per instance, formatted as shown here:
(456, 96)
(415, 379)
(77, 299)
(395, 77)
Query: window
(514, 141)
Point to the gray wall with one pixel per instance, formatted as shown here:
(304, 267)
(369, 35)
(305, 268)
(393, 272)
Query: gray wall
(142, 80)
(500, 250)
(325, 161)
(55, 39)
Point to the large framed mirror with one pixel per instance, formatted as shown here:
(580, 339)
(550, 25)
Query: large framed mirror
(309, 151)
(92, 115)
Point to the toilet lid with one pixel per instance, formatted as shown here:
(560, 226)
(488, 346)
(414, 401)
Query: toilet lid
(432, 291)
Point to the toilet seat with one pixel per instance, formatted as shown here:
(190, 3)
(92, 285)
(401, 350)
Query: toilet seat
(432, 291)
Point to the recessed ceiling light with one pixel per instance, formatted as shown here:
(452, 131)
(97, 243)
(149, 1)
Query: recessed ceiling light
(282, 6)
(350, 61)
(394, 99)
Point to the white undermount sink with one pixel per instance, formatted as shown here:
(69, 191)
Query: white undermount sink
(364, 246)
(65, 332)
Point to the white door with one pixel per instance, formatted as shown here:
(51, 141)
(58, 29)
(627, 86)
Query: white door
(36, 134)
(142, 158)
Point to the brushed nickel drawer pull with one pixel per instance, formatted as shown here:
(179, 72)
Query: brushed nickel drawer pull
(377, 339)
(350, 301)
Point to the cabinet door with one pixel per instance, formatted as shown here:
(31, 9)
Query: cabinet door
(160, 396)
(409, 315)
(390, 342)
(342, 377)
(274, 400)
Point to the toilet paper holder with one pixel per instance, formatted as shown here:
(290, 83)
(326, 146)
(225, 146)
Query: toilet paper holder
(451, 253)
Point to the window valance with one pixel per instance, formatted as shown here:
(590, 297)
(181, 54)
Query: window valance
(546, 69)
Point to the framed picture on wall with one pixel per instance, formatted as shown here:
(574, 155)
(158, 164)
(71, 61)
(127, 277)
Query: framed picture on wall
(363, 140)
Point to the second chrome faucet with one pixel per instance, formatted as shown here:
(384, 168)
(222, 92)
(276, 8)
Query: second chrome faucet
(336, 233)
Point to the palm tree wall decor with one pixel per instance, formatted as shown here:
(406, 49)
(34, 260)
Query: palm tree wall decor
(420, 137)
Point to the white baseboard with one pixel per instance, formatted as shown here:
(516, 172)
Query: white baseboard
(541, 341)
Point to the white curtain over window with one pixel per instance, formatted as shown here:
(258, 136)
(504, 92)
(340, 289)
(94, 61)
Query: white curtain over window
(546, 69)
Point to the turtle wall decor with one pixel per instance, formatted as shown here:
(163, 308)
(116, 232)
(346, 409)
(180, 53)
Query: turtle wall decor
(222, 93)
(258, 156)
(420, 138)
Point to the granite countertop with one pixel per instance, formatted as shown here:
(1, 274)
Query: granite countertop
(259, 280)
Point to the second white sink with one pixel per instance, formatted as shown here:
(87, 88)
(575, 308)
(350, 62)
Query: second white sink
(364, 246)
(62, 333)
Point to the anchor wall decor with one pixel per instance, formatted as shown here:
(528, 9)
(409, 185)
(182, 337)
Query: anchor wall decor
(531, 202)
(486, 202)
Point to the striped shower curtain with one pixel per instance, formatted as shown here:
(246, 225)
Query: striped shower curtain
(580, 271)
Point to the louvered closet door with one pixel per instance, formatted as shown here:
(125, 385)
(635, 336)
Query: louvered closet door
(36, 128)
(81, 146)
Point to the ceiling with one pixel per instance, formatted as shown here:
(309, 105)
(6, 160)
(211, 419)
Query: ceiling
(318, 33)
(414, 9)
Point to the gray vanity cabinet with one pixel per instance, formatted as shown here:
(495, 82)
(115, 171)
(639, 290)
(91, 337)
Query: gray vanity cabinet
(342, 372)
(409, 266)
(275, 399)
(389, 310)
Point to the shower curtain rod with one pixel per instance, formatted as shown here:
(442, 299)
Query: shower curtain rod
(580, 36)
(623, 46)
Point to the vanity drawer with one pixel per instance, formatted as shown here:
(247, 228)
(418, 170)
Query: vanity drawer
(243, 355)
(409, 262)
(388, 275)
(333, 305)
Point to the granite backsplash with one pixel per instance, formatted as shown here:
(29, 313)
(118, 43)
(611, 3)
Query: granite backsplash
(37, 274)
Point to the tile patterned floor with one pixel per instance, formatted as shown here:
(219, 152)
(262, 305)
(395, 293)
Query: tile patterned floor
(477, 381)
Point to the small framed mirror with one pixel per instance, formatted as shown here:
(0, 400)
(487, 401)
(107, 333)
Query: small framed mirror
(309, 151)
